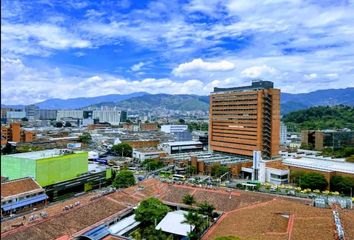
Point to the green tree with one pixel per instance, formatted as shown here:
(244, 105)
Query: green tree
(188, 199)
(67, 124)
(191, 169)
(313, 181)
(122, 149)
(152, 164)
(195, 220)
(151, 211)
(24, 119)
(217, 170)
(8, 149)
(85, 138)
(206, 209)
(342, 184)
(59, 124)
(123, 179)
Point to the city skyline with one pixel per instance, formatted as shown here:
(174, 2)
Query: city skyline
(54, 49)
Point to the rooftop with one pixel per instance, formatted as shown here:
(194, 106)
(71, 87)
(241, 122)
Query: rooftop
(321, 164)
(208, 157)
(182, 143)
(256, 85)
(172, 223)
(18, 186)
(41, 154)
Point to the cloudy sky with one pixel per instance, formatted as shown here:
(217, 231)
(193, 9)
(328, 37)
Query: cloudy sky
(75, 48)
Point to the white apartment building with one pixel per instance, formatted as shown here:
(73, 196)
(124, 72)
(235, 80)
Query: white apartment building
(110, 116)
(174, 128)
(283, 133)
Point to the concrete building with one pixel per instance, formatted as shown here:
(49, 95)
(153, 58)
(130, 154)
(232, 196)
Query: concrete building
(283, 134)
(244, 119)
(21, 195)
(180, 147)
(327, 138)
(47, 114)
(15, 115)
(110, 116)
(46, 167)
(143, 154)
(148, 127)
(326, 166)
(32, 112)
(174, 128)
(14, 133)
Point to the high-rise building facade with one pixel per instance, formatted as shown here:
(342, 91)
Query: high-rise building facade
(244, 119)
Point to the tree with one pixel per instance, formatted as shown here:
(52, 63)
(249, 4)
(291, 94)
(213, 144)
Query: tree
(122, 149)
(67, 124)
(8, 149)
(181, 121)
(188, 199)
(206, 209)
(342, 184)
(85, 138)
(313, 181)
(217, 170)
(195, 220)
(191, 169)
(151, 211)
(59, 124)
(24, 119)
(123, 179)
(152, 164)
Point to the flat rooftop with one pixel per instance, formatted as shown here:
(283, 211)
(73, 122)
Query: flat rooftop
(256, 85)
(209, 157)
(181, 143)
(320, 164)
(39, 154)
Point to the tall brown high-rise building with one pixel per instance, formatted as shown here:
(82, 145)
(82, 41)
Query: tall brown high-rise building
(244, 119)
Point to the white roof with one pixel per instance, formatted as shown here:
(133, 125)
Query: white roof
(172, 223)
(182, 143)
(124, 225)
(324, 165)
(40, 154)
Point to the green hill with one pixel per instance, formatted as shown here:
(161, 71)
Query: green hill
(321, 117)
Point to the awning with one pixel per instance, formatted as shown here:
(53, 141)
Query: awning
(24, 202)
(97, 233)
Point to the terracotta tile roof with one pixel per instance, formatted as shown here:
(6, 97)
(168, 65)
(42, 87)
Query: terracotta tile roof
(18, 186)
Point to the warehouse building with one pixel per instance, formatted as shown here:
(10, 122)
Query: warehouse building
(46, 167)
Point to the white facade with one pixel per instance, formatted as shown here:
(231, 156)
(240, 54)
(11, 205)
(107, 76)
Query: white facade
(110, 116)
(143, 155)
(15, 115)
(69, 114)
(174, 128)
(283, 133)
(183, 146)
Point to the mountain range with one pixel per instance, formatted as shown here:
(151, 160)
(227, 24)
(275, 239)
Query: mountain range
(188, 102)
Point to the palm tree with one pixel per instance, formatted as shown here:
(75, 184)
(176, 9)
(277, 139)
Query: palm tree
(206, 209)
(194, 220)
(188, 199)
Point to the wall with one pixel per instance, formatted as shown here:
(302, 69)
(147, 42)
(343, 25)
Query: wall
(57, 169)
(14, 168)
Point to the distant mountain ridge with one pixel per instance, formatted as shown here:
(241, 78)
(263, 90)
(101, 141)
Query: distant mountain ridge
(189, 102)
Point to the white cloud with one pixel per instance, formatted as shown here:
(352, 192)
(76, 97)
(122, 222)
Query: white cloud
(200, 65)
(311, 76)
(258, 71)
(137, 67)
(332, 75)
(28, 39)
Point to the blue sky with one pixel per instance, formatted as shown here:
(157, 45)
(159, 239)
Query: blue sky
(76, 48)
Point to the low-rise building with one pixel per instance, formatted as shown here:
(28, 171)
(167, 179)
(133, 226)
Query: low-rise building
(174, 128)
(327, 138)
(20, 195)
(180, 147)
(326, 166)
(46, 167)
(147, 153)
